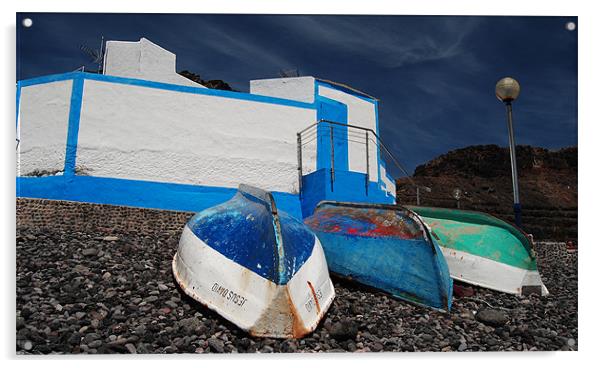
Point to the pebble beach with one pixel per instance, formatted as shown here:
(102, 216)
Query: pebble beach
(95, 292)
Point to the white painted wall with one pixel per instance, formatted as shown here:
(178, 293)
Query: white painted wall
(142, 133)
(309, 151)
(143, 60)
(301, 89)
(42, 126)
(298, 89)
(389, 185)
(360, 113)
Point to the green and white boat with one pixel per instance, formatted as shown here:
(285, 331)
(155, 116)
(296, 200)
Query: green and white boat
(484, 250)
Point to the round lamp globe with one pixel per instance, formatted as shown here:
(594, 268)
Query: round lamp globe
(507, 89)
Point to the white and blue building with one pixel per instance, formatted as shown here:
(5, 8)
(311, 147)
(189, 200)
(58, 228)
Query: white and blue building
(141, 135)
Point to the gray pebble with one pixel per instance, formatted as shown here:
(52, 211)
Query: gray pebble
(64, 304)
(216, 345)
(90, 252)
(131, 348)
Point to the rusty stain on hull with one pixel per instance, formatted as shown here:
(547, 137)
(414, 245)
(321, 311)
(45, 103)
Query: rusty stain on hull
(276, 317)
(313, 293)
(295, 326)
(298, 328)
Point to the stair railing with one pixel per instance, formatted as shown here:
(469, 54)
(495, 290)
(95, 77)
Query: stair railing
(306, 136)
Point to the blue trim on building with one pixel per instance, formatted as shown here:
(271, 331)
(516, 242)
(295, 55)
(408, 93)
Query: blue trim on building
(77, 90)
(138, 193)
(332, 110)
(50, 78)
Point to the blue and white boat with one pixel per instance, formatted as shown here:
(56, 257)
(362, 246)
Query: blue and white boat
(386, 247)
(258, 267)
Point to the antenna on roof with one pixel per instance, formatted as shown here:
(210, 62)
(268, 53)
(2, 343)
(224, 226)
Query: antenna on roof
(289, 73)
(96, 55)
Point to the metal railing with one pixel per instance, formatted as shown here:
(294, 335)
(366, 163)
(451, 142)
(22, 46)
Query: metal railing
(352, 134)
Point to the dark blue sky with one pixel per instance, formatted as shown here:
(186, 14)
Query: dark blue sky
(435, 75)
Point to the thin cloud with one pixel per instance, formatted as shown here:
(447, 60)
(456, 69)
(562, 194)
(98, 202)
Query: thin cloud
(382, 44)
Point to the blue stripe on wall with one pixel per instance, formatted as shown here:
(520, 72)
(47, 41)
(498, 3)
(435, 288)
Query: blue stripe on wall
(138, 193)
(50, 78)
(167, 87)
(77, 90)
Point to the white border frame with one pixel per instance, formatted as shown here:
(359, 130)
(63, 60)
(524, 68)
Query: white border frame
(590, 58)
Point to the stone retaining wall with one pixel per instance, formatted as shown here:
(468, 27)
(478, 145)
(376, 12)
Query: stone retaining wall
(78, 216)
(555, 251)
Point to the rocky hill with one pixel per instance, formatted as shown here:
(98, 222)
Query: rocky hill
(213, 84)
(547, 183)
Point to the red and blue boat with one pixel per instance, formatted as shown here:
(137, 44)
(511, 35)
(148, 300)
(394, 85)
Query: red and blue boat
(386, 247)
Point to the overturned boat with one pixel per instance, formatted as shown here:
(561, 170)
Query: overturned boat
(386, 247)
(483, 250)
(258, 267)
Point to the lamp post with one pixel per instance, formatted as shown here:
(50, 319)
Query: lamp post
(457, 194)
(507, 90)
(427, 189)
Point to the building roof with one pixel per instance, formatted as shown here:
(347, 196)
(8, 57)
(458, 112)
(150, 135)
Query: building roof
(348, 88)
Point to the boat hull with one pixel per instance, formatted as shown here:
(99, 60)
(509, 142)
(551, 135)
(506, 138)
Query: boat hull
(283, 294)
(483, 250)
(384, 247)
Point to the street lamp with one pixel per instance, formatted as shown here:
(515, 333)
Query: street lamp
(427, 189)
(507, 90)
